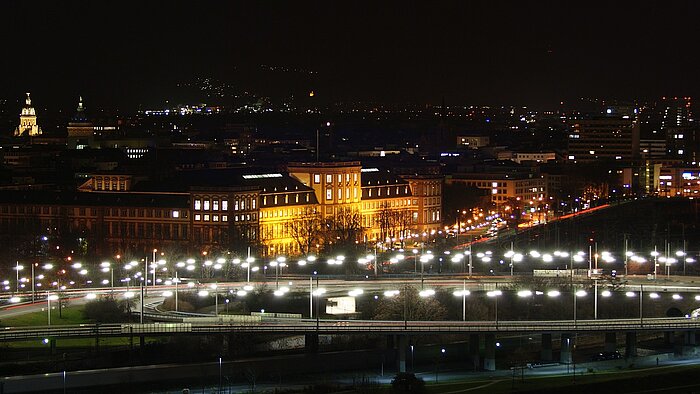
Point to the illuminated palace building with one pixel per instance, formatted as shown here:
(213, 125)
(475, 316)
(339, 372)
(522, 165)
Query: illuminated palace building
(228, 209)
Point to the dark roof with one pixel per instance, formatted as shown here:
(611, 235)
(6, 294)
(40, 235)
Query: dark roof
(120, 199)
(381, 177)
(267, 181)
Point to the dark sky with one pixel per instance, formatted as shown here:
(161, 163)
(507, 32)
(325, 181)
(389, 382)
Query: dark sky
(482, 52)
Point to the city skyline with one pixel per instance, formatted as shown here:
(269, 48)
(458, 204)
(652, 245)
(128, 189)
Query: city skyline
(480, 53)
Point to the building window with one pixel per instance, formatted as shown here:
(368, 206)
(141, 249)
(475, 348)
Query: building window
(224, 218)
(340, 194)
(215, 205)
(329, 194)
(176, 214)
(197, 205)
(197, 217)
(206, 218)
(317, 178)
(206, 205)
(224, 205)
(215, 218)
(329, 178)
(340, 178)
(242, 204)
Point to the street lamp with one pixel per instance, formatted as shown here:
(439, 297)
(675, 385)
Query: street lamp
(107, 267)
(18, 268)
(495, 294)
(463, 293)
(49, 298)
(655, 254)
(577, 294)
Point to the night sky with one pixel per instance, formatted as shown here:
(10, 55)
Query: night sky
(469, 52)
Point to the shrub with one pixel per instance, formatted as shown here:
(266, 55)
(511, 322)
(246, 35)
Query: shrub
(106, 310)
(405, 382)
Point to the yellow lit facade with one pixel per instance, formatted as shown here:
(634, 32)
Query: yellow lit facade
(27, 121)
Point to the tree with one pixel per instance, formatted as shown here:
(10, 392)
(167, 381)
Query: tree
(344, 228)
(107, 310)
(408, 305)
(305, 229)
(393, 222)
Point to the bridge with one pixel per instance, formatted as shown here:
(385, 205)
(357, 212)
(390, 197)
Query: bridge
(398, 332)
(336, 327)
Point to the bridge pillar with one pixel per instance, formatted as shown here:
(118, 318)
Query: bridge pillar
(474, 350)
(567, 343)
(546, 352)
(490, 352)
(679, 343)
(669, 337)
(630, 344)
(311, 343)
(610, 342)
(52, 346)
(401, 344)
(690, 338)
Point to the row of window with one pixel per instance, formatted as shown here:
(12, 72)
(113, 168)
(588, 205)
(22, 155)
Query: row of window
(223, 218)
(222, 236)
(273, 213)
(388, 204)
(339, 178)
(83, 211)
(146, 230)
(277, 199)
(339, 194)
(214, 204)
(378, 191)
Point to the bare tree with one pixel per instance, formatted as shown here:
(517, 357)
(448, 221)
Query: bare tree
(345, 227)
(305, 229)
(385, 219)
(393, 222)
(408, 305)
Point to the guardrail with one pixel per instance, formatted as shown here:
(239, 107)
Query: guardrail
(305, 326)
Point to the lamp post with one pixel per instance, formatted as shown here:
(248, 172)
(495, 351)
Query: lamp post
(34, 280)
(470, 260)
(655, 254)
(49, 297)
(576, 294)
(495, 294)
(463, 293)
(18, 268)
(107, 266)
(215, 287)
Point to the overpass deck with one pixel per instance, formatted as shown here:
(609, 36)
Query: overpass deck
(306, 326)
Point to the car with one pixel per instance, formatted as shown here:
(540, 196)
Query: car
(603, 356)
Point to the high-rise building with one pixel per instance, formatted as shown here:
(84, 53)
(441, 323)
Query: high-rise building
(27, 120)
(604, 138)
(676, 112)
